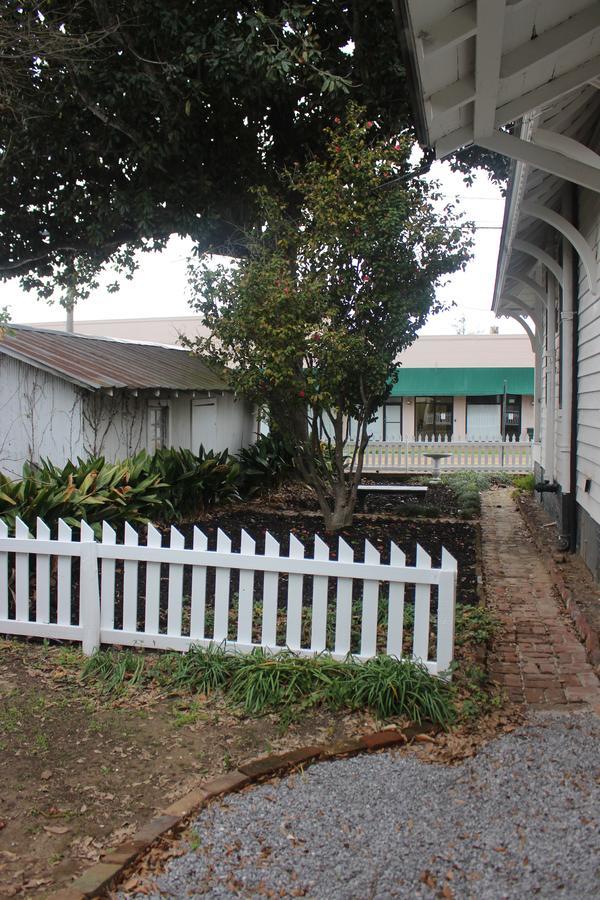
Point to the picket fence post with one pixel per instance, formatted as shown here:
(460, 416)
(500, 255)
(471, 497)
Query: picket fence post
(89, 598)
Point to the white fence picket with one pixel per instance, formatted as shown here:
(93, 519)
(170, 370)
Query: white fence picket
(446, 612)
(22, 575)
(152, 598)
(246, 593)
(63, 578)
(3, 574)
(42, 576)
(222, 582)
(422, 610)
(396, 606)
(318, 634)
(509, 455)
(175, 593)
(130, 583)
(198, 614)
(270, 590)
(96, 620)
(343, 610)
(370, 603)
(293, 637)
(107, 581)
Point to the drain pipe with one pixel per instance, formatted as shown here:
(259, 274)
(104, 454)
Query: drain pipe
(572, 515)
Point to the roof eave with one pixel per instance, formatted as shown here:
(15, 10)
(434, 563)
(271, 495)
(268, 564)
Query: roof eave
(406, 36)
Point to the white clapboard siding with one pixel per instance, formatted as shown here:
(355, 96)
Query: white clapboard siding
(462, 453)
(313, 583)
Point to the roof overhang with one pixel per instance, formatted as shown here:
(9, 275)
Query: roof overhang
(522, 79)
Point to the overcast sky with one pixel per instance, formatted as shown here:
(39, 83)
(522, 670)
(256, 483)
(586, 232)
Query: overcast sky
(159, 287)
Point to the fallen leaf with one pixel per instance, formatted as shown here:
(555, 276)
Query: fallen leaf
(46, 774)
(424, 738)
(56, 829)
(447, 892)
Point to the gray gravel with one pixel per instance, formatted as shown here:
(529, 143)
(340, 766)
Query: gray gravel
(520, 819)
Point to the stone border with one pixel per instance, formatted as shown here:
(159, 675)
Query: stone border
(172, 820)
(583, 625)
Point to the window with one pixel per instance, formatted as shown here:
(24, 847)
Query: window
(387, 425)
(433, 416)
(512, 416)
(158, 427)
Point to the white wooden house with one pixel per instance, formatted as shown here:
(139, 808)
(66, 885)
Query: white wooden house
(522, 79)
(66, 395)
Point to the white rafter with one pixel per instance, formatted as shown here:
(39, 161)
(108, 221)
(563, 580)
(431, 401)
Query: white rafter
(488, 53)
(541, 256)
(569, 147)
(546, 160)
(549, 91)
(554, 219)
(455, 95)
(530, 283)
(547, 46)
(455, 28)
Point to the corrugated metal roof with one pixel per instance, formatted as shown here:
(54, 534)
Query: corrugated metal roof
(474, 382)
(96, 363)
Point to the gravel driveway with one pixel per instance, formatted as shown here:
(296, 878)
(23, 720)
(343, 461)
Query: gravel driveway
(520, 819)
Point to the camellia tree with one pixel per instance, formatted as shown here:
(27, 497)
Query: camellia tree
(311, 321)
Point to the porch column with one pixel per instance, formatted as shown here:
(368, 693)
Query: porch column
(550, 354)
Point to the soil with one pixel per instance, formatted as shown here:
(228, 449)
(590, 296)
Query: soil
(79, 775)
(439, 500)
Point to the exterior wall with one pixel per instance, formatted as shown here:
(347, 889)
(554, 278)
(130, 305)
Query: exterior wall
(43, 416)
(40, 416)
(236, 424)
(161, 330)
(460, 351)
(588, 387)
(555, 424)
(527, 413)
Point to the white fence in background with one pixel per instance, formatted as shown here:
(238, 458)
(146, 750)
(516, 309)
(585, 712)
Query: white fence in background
(412, 456)
(36, 600)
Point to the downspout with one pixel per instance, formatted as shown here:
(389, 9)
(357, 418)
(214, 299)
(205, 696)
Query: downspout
(572, 533)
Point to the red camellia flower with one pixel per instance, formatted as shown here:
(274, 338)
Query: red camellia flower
(301, 393)
(365, 278)
(337, 120)
(369, 124)
(337, 149)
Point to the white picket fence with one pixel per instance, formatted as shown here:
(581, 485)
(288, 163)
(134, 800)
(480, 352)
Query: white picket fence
(411, 456)
(37, 600)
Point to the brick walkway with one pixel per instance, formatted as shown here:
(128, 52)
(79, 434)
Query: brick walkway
(538, 657)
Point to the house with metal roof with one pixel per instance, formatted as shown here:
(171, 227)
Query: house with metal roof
(522, 79)
(65, 395)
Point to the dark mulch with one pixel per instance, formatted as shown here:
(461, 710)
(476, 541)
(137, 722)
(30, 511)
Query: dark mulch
(439, 501)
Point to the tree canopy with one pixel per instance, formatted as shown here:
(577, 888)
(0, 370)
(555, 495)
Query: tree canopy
(123, 122)
(311, 320)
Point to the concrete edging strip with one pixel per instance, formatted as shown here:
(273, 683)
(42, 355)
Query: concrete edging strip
(101, 876)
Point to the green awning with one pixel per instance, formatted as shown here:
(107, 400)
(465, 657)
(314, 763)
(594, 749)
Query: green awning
(475, 382)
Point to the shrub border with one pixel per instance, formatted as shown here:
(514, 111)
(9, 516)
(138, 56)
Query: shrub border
(174, 818)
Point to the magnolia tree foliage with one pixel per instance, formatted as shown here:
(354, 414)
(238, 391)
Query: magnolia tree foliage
(311, 321)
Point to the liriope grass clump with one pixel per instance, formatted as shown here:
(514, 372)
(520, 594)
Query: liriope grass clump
(261, 682)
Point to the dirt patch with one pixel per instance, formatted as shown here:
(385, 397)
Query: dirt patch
(79, 775)
(440, 500)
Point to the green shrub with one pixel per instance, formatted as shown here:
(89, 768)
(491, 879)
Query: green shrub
(261, 682)
(524, 483)
(196, 482)
(265, 465)
(93, 490)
